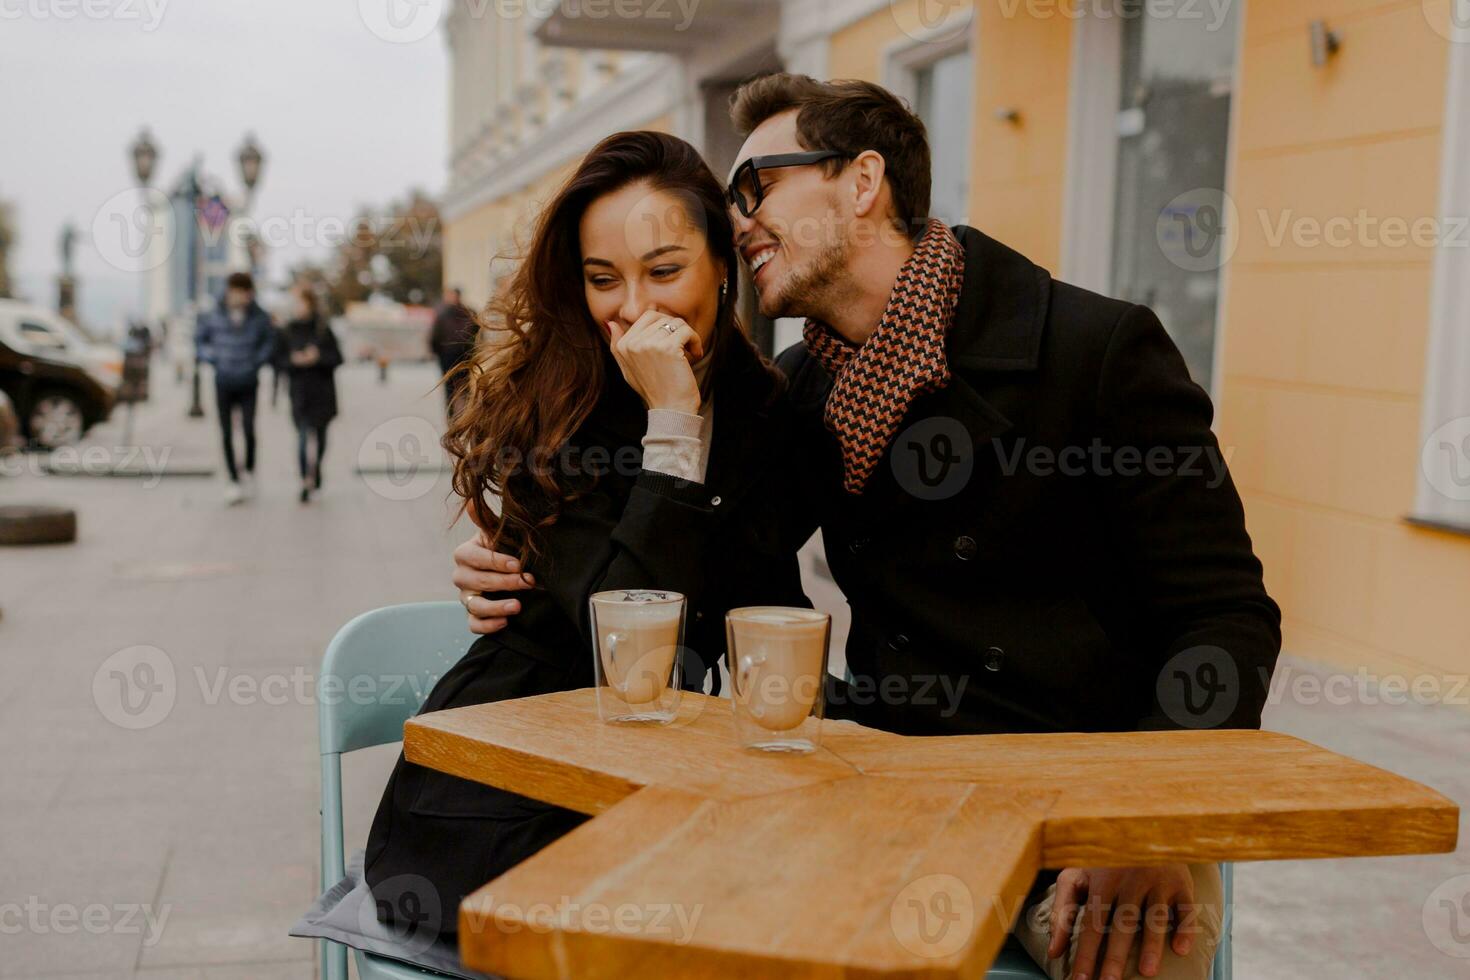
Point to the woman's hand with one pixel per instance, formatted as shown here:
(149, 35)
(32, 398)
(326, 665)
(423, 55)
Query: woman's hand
(478, 569)
(655, 355)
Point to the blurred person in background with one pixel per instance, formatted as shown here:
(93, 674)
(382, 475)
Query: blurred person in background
(278, 356)
(451, 340)
(236, 339)
(309, 356)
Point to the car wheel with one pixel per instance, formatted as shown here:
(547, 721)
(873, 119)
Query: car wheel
(56, 419)
(28, 524)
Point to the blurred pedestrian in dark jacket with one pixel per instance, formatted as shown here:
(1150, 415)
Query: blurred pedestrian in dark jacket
(236, 339)
(308, 354)
(451, 340)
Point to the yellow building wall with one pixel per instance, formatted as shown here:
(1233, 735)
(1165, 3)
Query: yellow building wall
(1324, 346)
(478, 245)
(1022, 62)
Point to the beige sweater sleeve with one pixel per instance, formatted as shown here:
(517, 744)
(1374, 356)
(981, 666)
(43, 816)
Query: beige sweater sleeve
(677, 443)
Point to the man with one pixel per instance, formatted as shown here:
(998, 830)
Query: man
(236, 340)
(1018, 489)
(451, 340)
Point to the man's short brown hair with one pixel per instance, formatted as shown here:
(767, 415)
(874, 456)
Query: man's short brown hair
(850, 116)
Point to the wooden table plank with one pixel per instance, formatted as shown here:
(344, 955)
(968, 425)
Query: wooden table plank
(695, 879)
(554, 748)
(1153, 797)
(846, 862)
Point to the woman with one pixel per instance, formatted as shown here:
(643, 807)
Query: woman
(308, 354)
(634, 439)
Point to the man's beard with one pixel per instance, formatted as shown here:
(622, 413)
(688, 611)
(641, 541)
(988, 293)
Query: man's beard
(811, 292)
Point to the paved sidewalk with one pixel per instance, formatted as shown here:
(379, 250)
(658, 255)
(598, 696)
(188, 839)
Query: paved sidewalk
(210, 815)
(207, 819)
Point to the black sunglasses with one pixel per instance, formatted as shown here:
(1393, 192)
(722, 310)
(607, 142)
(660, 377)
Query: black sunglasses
(747, 198)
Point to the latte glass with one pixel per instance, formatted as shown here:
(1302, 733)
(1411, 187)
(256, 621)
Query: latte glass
(778, 658)
(638, 654)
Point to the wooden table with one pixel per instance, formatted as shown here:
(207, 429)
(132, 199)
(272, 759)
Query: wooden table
(878, 855)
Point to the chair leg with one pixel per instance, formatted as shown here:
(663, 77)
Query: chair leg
(1222, 969)
(334, 955)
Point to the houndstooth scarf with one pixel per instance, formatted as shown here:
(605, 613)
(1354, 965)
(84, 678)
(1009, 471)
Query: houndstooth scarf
(874, 384)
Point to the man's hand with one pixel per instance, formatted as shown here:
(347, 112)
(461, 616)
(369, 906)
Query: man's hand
(1134, 900)
(478, 569)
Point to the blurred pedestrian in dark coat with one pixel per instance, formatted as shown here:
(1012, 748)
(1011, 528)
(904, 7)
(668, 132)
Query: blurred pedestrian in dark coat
(451, 340)
(308, 354)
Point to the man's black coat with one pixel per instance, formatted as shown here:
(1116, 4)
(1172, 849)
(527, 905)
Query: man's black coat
(1052, 542)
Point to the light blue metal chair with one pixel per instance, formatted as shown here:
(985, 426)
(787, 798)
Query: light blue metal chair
(1014, 964)
(402, 651)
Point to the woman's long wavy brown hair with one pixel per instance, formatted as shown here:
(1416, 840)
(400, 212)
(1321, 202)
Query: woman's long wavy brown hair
(541, 363)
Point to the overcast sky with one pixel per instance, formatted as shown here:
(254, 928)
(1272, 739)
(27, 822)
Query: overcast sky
(345, 117)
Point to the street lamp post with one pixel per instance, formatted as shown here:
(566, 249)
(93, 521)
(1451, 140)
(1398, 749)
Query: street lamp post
(251, 159)
(145, 158)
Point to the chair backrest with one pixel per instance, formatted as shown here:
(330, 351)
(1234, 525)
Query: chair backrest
(380, 667)
(375, 675)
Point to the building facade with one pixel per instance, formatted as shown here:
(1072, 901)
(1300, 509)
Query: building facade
(1286, 184)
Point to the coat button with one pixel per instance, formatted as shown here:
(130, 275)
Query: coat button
(994, 657)
(857, 545)
(714, 501)
(965, 548)
(897, 641)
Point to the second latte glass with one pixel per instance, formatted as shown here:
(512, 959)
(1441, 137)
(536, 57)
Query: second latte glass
(778, 664)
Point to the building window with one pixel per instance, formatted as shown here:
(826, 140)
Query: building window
(1443, 497)
(942, 99)
(1147, 213)
(936, 77)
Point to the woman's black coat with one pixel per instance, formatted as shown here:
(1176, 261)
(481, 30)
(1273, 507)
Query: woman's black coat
(721, 543)
(313, 388)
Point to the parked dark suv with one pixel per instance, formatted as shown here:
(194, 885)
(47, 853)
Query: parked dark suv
(54, 393)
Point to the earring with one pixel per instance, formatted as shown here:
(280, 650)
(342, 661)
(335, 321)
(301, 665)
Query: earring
(724, 288)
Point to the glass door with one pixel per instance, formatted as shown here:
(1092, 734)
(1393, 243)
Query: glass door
(1170, 210)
